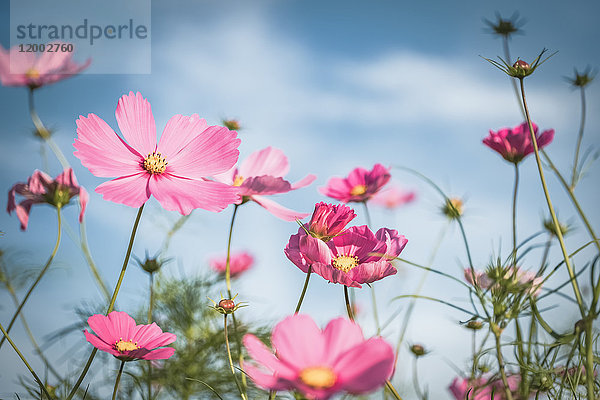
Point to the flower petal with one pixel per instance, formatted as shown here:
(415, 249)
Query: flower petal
(268, 161)
(278, 210)
(99, 343)
(160, 354)
(298, 342)
(334, 275)
(307, 180)
(136, 122)
(123, 324)
(184, 195)
(262, 355)
(371, 271)
(179, 132)
(264, 185)
(130, 190)
(102, 151)
(341, 335)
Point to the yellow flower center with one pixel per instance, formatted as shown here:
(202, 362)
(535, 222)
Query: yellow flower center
(123, 346)
(358, 190)
(32, 73)
(318, 377)
(345, 263)
(238, 180)
(155, 163)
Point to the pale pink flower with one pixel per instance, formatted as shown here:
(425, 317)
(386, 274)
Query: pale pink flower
(30, 69)
(479, 278)
(319, 363)
(41, 188)
(328, 220)
(355, 257)
(513, 279)
(360, 185)
(238, 263)
(482, 388)
(173, 171)
(393, 197)
(515, 144)
(260, 175)
(118, 335)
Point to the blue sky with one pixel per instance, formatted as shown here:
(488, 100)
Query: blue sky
(335, 85)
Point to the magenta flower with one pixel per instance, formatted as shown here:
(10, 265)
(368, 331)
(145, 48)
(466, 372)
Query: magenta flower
(41, 188)
(238, 263)
(118, 335)
(360, 185)
(319, 363)
(328, 220)
(355, 257)
(392, 197)
(260, 175)
(29, 69)
(482, 388)
(173, 171)
(515, 144)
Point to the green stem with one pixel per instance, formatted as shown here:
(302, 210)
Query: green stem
(176, 227)
(116, 389)
(22, 357)
(90, 261)
(514, 215)
(373, 294)
(229, 359)
(589, 359)
(112, 300)
(551, 208)
(227, 262)
(39, 278)
(416, 380)
(301, 299)
(501, 364)
(392, 389)
(575, 177)
(150, 307)
(512, 81)
(348, 305)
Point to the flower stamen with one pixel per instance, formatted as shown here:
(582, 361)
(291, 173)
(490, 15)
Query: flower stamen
(318, 377)
(345, 263)
(32, 73)
(238, 180)
(155, 163)
(122, 346)
(358, 190)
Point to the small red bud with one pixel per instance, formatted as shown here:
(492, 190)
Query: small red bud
(227, 304)
(520, 64)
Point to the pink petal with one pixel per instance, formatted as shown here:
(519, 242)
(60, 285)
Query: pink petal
(123, 324)
(266, 381)
(163, 339)
(298, 342)
(136, 122)
(226, 177)
(268, 161)
(372, 271)
(102, 151)
(262, 355)
(23, 209)
(334, 275)
(97, 342)
(103, 328)
(145, 333)
(307, 180)
(84, 197)
(184, 195)
(130, 190)
(264, 185)
(293, 253)
(341, 335)
(160, 354)
(277, 210)
(366, 366)
(212, 151)
(179, 132)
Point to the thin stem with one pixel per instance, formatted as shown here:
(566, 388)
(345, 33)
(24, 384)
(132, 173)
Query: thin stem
(373, 294)
(551, 208)
(474, 351)
(501, 364)
(589, 359)
(90, 261)
(574, 176)
(176, 227)
(392, 389)
(112, 301)
(512, 81)
(301, 299)
(227, 262)
(150, 307)
(39, 278)
(22, 357)
(116, 389)
(230, 359)
(514, 215)
(416, 385)
(367, 214)
(348, 305)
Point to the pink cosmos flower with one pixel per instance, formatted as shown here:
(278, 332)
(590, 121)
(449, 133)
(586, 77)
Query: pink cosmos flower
(260, 175)
(118, 335)
(392, 197)
(319, 363)
(360, 185)
(328, 220)
(29, 69)
(238, 263)
(355, 257)
(515, 144)
(172, 171)
(482, 388)
(41, 188)
(514, 279)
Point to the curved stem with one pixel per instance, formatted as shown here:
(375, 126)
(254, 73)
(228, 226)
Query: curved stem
(150, 306)
(512, 81)
(392, 389)
(551, 208)
(112, 300)
(348, 305)
(22, 357)
(227, 262)
(301, 299)
(116, 389)
(514, 215)
(39, 278)
(90, 261)
(229, 359)
(507, 391)
(415, 377)
(574, 176)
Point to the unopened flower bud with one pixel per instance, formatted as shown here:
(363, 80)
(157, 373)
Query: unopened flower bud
(151, 264)
(232, 124)
(551, 228)
(418, 350)
(474, 325)
(521, 65)
(227, 304)
(453, 208)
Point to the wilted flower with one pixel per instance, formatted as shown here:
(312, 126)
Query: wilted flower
(515, 144)
(482, 388)
(328, 220)
(393, 197)
(173, 170)
(357, 256)
(18, 68)
(360, 185)
(474, 325)
(238, 263)
(118, 335)
(260, 175)
(41, 188)
(319, 363)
